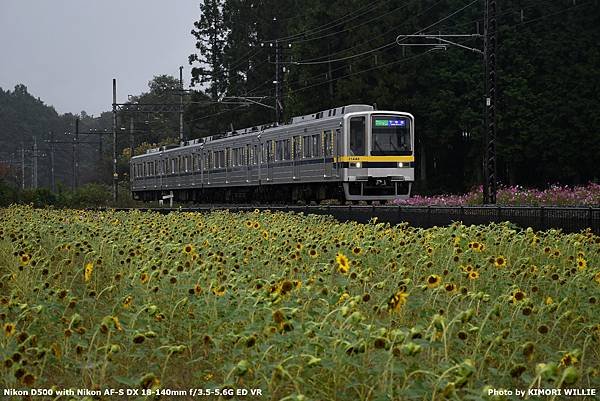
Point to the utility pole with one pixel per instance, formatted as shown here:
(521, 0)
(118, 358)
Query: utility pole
(22, 166)
(278, 83)
(181, 138)
(52, 177)
(131, 144)
(489, 50)
(76, 156)
(489, 61)
(34, 157)
(115, 176)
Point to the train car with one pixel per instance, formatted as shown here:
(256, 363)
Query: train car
(351, 153)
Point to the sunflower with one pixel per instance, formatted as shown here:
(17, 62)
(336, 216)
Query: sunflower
(9, 329)
(581, 263)
(568, 360)
(342, 261)
(500, 261)
(473, 275)
(356, 250)
(548, 301)
(433, 281)
(189, 248)
(248, 224)
(265, 234)
(144, 277)
(25, 259)
(219, 291)
(597, 277)
(256, 225)
(518, 296)
(397, 300)
(450, 287)
(476, 246)
(89, 269)
(127, 301)
(313, 253)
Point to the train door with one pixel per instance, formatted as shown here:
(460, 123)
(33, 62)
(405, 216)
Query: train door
(327, 138)
(296, 157)
(261, 160)
(337, 146)
(270, 150)
(247, 162)
(227, 164)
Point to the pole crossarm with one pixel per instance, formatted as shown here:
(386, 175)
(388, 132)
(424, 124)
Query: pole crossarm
(247, 100)
(441, 41)
(149, 107)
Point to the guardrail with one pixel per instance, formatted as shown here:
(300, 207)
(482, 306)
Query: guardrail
(568, 219)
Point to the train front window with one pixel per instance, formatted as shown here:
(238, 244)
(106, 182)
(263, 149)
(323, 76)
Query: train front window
(391, 136)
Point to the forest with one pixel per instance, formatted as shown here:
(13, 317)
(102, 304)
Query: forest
(333, 53)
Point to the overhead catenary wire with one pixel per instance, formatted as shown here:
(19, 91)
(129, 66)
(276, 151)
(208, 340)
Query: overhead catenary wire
(365, 70)
(392, 43)
(341, 20)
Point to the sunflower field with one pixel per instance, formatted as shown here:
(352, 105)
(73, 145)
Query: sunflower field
(301, 307)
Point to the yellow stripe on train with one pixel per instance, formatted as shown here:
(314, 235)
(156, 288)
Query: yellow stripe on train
(355, 159)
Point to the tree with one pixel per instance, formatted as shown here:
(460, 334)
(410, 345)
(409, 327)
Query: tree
(209, 33)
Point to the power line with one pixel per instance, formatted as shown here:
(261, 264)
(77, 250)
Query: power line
(387, 45)
(347, 29)
(363, 71)
(341, 20)
(374, 37)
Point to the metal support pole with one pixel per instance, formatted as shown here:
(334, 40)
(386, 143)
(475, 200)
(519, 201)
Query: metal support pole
(115, 176)
(490, 177)
(131, 144)
(34, 157)
(76, 156)
(277, 83)
(181, 138)
(22, 166)
(52, 177)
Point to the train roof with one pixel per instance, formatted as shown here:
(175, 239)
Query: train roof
(328, 114)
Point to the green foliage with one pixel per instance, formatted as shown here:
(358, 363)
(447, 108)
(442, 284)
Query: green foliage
(548, 80)
(8, 194)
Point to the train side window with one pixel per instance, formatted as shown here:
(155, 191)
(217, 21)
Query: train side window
(278, 150)
(297, 147)
(316, 145)
(287, 146)
(255, 155)
(306, 146)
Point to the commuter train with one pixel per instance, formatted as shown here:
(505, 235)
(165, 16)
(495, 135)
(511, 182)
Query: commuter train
(350, 153)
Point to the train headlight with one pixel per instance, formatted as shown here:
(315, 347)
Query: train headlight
(400, 164)
(357, 164)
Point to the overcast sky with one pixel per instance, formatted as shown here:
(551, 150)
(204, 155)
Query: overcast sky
(68, 51)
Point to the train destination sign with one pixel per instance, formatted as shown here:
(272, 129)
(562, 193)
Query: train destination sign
(390, 123)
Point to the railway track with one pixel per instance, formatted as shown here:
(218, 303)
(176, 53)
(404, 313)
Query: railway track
(567, 219)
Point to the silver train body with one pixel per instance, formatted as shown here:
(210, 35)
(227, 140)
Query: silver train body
(352, 153)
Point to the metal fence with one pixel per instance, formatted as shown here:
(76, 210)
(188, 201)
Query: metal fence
(568, 219)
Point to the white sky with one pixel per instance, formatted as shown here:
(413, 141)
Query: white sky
(68, 51)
